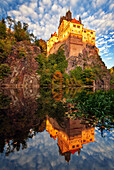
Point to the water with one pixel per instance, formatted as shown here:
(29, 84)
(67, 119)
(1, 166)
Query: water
(35, 134)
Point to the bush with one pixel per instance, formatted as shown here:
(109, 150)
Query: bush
(4, 71)
(5, 49)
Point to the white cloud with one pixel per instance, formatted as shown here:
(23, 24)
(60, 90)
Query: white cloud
(41, 9)
(84, 14)
(110, 40)
(111, 33)
(111, 6)
(54, 8)
(109, 58)
(73, 2)
(46, 2)
(98, 3)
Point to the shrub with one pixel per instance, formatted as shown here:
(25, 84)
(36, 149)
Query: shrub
(4, 71)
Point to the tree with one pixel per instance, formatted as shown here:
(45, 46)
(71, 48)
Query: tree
(87, 77)
(4, 70)
(42, 44)
(77, 72)
(2, 29)
(21, 32)
(10, 22)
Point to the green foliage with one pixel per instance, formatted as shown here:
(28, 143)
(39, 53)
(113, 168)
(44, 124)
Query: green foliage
(21, 52)
(4, 71)
(66, 79)
(98, 72)
(5, 49)
(87, 77)
(2, 29)
(58, 61)
(21, 33)
(96, 106)
(77, 72)
(48, 66)
(4, 101)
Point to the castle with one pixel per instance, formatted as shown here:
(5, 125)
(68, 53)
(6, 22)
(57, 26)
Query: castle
(72, 34)
(72, 137)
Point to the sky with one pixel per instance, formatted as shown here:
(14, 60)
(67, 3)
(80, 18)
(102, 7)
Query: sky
(43, 19)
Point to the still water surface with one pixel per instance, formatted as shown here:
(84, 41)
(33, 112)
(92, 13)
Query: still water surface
(36, 134)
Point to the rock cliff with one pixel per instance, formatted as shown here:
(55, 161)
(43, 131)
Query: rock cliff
(90, 59)
(23, 66)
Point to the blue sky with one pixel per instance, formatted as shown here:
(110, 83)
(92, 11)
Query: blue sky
(43, 19)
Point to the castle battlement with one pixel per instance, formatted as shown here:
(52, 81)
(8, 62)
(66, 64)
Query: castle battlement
(73, 28)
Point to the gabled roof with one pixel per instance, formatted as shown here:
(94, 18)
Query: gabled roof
(75, 21)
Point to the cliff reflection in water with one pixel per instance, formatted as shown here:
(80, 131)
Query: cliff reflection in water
(71, 136)
(18, 118)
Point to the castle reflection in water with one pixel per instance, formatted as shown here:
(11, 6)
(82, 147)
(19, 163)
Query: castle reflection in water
(71, 135)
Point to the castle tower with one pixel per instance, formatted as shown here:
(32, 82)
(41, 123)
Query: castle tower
(80, 20)
(69, 15)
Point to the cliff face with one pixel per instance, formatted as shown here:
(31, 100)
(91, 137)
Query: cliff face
(23, 66)
(90, 59)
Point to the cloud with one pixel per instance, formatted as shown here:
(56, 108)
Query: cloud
(110, 40)
(84, 14)
(111, 6)
(73, 2)
(109, 58)
(41, 9)
(98, 3)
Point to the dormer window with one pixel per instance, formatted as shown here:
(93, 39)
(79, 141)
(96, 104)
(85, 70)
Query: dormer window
(74, 25)
(78, 26)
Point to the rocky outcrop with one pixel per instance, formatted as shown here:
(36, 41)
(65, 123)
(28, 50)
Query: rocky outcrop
(89, 58)
(23, 66)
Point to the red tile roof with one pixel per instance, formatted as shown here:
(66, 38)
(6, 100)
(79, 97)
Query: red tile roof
(73, 151)
(75, 21)
(55, 34)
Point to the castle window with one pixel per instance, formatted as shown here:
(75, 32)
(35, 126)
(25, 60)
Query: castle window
(91, 32)
(73, 146)
(79, 32)
(84, 31)
(72, 30)
(77, 145)
(74, 25)
(78, 26)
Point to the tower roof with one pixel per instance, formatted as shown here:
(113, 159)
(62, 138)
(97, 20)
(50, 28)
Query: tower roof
(55, 34)
(75, 21)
